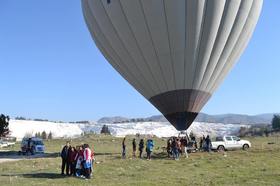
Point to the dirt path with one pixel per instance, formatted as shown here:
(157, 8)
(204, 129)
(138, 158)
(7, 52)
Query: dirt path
(7, 156)
(2, 160)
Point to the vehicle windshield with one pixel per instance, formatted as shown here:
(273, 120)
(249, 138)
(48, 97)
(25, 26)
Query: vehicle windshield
(33, 142)
(38, 143)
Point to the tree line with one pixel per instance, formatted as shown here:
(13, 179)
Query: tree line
(44, 135)
(262, 130)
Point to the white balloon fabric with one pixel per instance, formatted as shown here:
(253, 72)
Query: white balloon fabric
(174, 52)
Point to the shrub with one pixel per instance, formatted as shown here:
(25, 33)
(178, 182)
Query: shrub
(105, 130)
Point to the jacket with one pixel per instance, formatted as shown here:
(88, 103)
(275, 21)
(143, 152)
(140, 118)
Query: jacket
(64, 152)
(87, 154)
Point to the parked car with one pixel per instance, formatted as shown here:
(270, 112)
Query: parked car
(36, 145)
(3, 144)
(10, 143)
(229, 143)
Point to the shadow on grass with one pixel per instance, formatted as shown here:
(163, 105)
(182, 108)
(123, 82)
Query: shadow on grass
(161, 155)
(106, 153)
(38, 175)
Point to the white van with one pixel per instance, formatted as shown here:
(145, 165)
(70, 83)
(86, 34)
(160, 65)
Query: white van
(36, 145)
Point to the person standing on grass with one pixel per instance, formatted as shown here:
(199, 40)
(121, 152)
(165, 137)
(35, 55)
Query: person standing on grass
(208, 143)
(150, 146)
(68, 163)
(173, 148)
(168, 148)
(184, 146)
(87, 161)
(92, 160)
(71, 159)
(64, 157)
(123, 149)
(141, 147)
(30, 147)
(202, 143)
(79, 159)
(134, 148)
(177, 149)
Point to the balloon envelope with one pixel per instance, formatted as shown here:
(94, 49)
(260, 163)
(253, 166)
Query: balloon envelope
(174, 52)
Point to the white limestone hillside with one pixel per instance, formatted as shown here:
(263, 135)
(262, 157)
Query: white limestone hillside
(19, 128)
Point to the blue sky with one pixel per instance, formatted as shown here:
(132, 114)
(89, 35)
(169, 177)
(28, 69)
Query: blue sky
(50, 68)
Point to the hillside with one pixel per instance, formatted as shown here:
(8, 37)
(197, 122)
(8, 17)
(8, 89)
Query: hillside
(202, 117)
(21, 128)
(155, 125)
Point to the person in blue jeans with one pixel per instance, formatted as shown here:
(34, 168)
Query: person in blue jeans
(173, 148)
(208, 143)
(177, 149)
(141, 147)
(150, 146)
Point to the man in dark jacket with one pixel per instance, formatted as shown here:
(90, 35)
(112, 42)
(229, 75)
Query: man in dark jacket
(134, 148)
(29, 147)
(141, 147)
(208, 143)
(64, 157)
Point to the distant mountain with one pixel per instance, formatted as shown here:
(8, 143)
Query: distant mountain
(267, 116)
(202, 117)
(236, 118)
(157, 118)
(115, 119)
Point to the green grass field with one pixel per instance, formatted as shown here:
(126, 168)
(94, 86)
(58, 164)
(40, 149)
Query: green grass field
(258, 166)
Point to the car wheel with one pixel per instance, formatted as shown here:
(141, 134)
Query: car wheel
(221, 148)
(245, 147)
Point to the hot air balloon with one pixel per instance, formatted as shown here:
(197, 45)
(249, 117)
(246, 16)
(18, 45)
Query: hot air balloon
(174, 52)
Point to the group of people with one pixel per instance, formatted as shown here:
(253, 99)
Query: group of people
(177, 146)
(205, 143)
(77, 160)
(141, 145)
